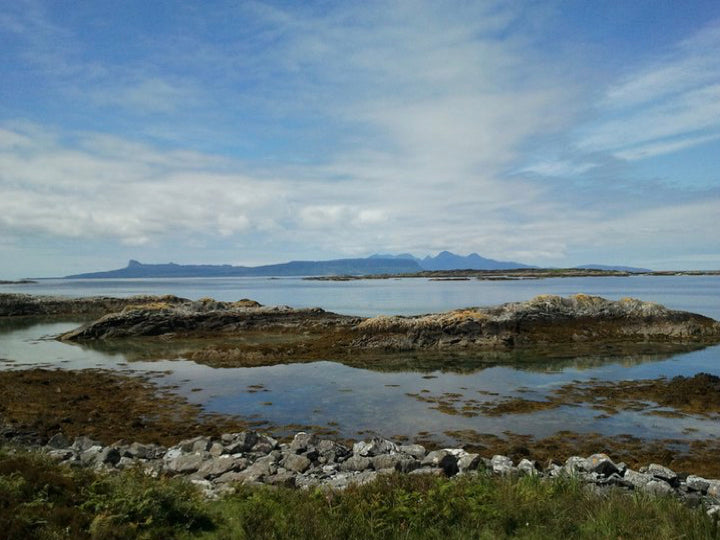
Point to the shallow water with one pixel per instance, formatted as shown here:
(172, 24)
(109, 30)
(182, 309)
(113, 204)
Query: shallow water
(352, 399)
(700, 294)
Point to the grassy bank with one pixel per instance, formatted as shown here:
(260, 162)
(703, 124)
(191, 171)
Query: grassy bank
(41, 500)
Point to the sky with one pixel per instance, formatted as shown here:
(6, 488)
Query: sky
(553, 133)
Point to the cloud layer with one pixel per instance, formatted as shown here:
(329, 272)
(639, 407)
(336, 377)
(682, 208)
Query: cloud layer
(261, 133)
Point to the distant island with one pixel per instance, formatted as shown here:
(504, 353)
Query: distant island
(378, 265)
(373, 265)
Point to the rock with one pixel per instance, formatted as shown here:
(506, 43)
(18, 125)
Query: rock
(60, 454)
(374, 447)
(502, 465)
(144, 451)
(395, 462)
(296, 463)
(264, 445)
(185, 463)
(443, 459)
(216, 449)
(196, 444)
(714, 488)
(263, 467)
(432, 471)
(90, 456)
(109, 456)
(58, 441)
(663, 473)
(601, 464)
(697, 483)
(282, 478)
(658, 487)
(575, 466)
(527, 467)
(330, 451)
(80, 444)
(713, 511)
(468, 462)
(637, 479)
(415, 450)
(218, 466)
(302, 441)
(239, 442)
(356, 463)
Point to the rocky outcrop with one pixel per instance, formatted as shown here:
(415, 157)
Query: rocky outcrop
(24, 305)
(205, 318)
(541, 321)
(308, 461)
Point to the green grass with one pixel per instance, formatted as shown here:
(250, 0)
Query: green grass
(41, 500)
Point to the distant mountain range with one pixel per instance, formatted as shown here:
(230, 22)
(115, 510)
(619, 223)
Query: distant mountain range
(375, 264)
(630, 269)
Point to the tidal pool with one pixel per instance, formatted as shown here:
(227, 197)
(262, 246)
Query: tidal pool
(354, 401)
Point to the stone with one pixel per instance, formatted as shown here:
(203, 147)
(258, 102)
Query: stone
(415, 450)
(302, 441)
(331, 451)
(263, 467)
(218, 466)
(443, 459)
(282, 478)
(375, 447)
(468, 462)
(658, 487)
(528, 467)
(713, 511)
(714, 488)
(109, 456)
(239, 442)
(638, 479)
(697, 483)
(90, 456)
(60, 454)
(601, 464)
(196, 444)
(502, 465)
(185, 463)
(264, 445)
(80, 444)
(58, 441)
(144, 451)
(432, 471)
(356, 463)
(216, 449)
(663, 473)
(575, 465)
(296, 463)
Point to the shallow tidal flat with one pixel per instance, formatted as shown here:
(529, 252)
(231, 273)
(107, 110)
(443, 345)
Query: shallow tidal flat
(639, 402)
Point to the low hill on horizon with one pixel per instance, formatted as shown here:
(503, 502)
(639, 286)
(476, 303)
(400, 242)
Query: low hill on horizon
(404, 263)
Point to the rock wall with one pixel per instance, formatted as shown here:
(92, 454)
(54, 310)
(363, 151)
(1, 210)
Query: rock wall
(215, 464)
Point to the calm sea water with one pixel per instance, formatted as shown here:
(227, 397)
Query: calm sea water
(398, 296)
(354, 399)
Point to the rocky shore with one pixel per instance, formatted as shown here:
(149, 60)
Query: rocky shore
(27, 305)
(544, 320)
(308, 461)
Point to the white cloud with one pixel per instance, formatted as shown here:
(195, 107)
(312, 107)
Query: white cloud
(671, 104)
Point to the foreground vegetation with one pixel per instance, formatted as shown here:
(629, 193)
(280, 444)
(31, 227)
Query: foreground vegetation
(39, 499)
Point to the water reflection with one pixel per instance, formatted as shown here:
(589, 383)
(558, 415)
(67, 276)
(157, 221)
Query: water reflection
(370, 393)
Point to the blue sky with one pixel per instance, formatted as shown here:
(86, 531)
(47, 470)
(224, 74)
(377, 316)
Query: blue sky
(552, 133)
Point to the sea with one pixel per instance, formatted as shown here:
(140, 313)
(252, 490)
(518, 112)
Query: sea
(397, 400)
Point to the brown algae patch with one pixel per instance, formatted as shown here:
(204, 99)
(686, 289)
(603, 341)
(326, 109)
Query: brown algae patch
(671, 398)
(104, 405)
